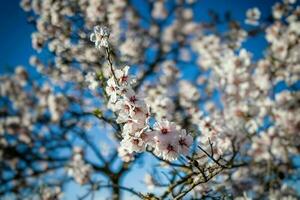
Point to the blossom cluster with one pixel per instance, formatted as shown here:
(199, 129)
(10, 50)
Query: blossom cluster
(77, 168)
(166, 139)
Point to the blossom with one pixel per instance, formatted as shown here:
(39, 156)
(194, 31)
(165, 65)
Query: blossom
(130, 47)
(184, 142)
(123, 108)
(111, 89)
(133, 99)
(159, 10)
(123, 76)
(165, 128)
(48, 193)
(132, 126)
(170, 140)
(188, 93)
(278, 10)
(100, 36)
(162, 106)
(124, 154)
(168, 149)
(133, 144)
(140, 113)
(90, 78)
(253, 15)
(78, 169)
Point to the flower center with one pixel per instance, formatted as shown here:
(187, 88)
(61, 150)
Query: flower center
(182, 142)
(170, 148)
(132, 99)
(112, 88)
(123, 79)
(127, 108)
(164, 131)
(136, 110)
(135, 141)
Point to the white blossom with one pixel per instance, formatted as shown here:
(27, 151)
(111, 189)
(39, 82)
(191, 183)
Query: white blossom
(91, 79)
(253, 16)
(100, 36)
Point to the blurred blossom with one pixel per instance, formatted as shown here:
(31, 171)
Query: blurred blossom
(253, 16)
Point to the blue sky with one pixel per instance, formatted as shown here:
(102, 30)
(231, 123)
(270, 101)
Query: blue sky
(15, 36)
(15, 32)
(15, 46)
